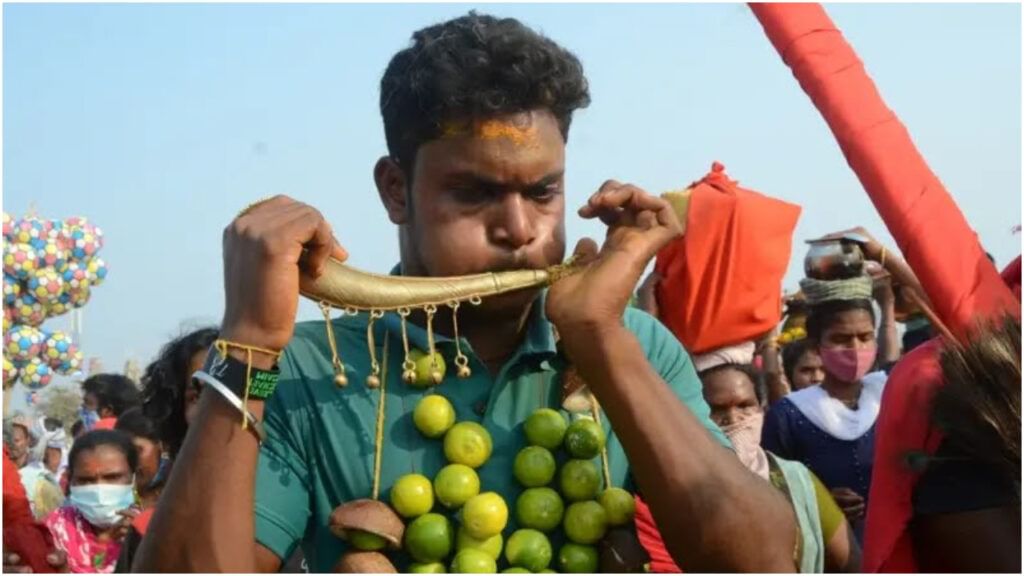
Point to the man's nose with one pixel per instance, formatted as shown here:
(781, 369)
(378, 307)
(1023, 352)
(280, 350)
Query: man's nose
(513, 226)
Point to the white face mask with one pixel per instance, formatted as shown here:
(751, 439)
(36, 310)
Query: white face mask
(100, 503)
(745, 436)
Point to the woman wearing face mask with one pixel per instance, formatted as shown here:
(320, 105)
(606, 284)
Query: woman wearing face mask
(830, 427)
(89, 528)
(732, 393)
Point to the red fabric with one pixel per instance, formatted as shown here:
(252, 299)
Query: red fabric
(722, 280)
(141, 522)
(903, 427)
(941, 248)
(1011, 275)
(650, 539)
(22, 535)
(105, 424)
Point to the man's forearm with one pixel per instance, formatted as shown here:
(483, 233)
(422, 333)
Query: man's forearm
(713, 513)
(205, 521)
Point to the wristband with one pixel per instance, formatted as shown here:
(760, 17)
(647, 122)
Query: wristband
(253, 424)
(232, 374)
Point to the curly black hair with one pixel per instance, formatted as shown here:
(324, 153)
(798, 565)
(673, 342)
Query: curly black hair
(474, 67)
(164, 383)
(821, 316)
(113, 391)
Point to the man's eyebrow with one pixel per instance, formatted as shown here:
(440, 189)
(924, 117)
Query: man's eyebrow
(476, 179)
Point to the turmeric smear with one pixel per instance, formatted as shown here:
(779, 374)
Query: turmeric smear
(493, 130)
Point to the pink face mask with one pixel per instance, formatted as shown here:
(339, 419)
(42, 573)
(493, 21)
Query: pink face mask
(849, 364)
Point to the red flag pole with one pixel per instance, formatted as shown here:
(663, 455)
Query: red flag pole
(929, 228)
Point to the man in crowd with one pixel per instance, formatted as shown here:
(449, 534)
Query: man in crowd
(476, 114)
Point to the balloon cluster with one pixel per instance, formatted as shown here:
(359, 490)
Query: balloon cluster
(50, 267)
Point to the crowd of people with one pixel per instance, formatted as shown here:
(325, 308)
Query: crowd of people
(756, 456)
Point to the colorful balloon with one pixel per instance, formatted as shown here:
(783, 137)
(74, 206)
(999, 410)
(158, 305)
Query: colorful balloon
(36, 374)
(28, 310)
(10, 371)
(54, 254)
(32, 230)
(20, 260)
(96, 270)
(73, 364)
(22, 343)
(12, 288)
(86, 241)
(8, 318)
(59, 306)
(75, 276)
(79, 296)
(8, 226)
(56, 349)
(46, 285)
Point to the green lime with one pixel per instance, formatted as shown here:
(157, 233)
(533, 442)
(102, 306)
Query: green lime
(585, 522)
(618, 505)
(584, 439)
(545, 428)
(528, 549)
(363, 540)
(429, 538)
(579, 480)
(455, 484)
(577, 559)
(484, 515)
(539, 508)
(490, 545)
(433, 415)
(427, 568)
(428, 373)
(467, 443)
(515, 570)
(412, 495)
(534, 466)
(470, 561)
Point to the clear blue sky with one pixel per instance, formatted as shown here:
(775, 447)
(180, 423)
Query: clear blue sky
(159, 122)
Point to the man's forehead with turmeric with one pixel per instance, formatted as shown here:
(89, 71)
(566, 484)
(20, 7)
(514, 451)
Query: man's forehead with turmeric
(518, 129)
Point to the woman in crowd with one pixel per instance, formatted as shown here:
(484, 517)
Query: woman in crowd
(154, 463)
(802, 365)
(90, 527)
(733, 395)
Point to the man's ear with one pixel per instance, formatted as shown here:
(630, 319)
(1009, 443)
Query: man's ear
(392, 187)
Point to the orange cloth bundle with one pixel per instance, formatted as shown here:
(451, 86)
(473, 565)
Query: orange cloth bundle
(721, 282)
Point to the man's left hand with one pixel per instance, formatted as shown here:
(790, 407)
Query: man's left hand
(639, 225)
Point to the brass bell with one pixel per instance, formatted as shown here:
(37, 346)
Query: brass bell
(463, 372)
(340, 380)
(372, 381)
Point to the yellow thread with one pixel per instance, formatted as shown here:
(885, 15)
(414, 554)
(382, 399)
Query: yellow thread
(379, 435)
(222, 346)
(595, 409)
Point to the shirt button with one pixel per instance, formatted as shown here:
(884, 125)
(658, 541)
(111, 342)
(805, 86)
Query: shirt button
(480, 408)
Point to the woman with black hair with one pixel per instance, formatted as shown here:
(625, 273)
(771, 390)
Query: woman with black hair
(154, 463)
(89, 528)
(169, 395)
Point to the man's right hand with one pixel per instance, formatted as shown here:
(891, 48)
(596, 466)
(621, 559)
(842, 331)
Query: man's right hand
(266, 248)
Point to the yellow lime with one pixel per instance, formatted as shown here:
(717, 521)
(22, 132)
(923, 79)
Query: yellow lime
(455, 484)
(515, 570)
(579, 480)
(585, 522)
(490, 545)
(528, 549)
(618, 505)
(467, 443)
(427, 568)
(433, 415)
(539, 508)
(470, 561)
(584, 439)
(577, 559)
(545, 428)
(534, 466)
(429, 538)
(428, 372)
(412, 495)
(484, 515)
(363, 540)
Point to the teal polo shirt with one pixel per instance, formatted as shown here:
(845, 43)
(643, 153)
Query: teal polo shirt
(320, 438)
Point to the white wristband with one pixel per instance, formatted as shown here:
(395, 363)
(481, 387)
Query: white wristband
(227, 394)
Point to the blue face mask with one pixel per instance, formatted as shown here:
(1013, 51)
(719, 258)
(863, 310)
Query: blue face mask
(89, 418)
(100, 503)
